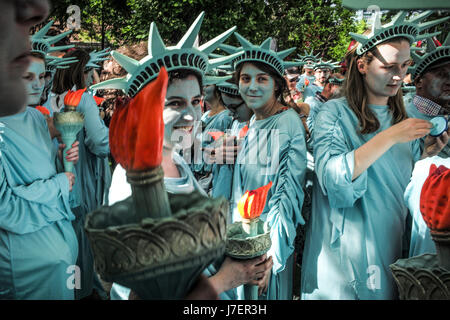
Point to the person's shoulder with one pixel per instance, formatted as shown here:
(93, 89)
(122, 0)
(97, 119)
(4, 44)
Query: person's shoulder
(335, 110)
(289, 121)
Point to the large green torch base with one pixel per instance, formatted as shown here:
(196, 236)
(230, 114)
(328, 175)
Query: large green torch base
(158, 258)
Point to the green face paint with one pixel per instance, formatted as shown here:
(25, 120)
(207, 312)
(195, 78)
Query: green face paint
(34, 81)
(256, 87)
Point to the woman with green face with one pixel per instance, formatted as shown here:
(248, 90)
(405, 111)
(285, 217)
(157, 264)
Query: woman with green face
(365, 148)
(34, 80)
(274, 150)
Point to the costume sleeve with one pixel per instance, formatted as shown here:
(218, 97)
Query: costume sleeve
(286, 198)
(26, 209)
(97, 134)
(334, 159)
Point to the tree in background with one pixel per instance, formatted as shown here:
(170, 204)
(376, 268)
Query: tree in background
(322, 25)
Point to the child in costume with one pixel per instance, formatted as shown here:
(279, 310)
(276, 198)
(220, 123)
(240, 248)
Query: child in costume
(362, 141)
(182, 102)
(274, 149)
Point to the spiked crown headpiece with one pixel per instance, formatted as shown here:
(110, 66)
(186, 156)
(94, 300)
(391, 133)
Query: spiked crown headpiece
(96, 57)
(309, 58)
(398, 27)
(228, 88)
(52, 63)
(43, 44)
(432, 54)
(262, 53)
(322, 64)
(185, 55)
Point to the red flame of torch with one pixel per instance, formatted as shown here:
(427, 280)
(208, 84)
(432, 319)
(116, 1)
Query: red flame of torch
(136, 131)
(435, 199)
(73, 98)
(252, 203)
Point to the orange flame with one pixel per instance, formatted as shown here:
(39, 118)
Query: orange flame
(73, 98)
(252, 203)
(136, 131)
(98, 100)
(243, 132)
(43, 110)
(306, 82)
(216, 134)
(434, 199)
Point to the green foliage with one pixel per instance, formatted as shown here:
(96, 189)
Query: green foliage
(319, 24)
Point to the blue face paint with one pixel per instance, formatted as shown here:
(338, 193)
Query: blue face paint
(34, 81)
(89, 78)
(256, 87)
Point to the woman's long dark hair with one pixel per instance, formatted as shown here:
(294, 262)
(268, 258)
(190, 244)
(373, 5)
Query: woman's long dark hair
(65, 79)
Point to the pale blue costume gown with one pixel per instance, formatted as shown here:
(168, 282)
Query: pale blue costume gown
(93, 178)
(219, 122)
(275, 150)
(421, 241)
(412, 112)
(223, 173)
(301, 82)
(357, 228)
(310, 90)
(37, 240)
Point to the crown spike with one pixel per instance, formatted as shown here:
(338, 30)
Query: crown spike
(55, 39)
(244, 42)
(156, 45)
(211, 45)
(41, 33)
(291, 64)
(129, 64)
(447, 41)
(421, 16)
(214, 63)
(398, 18)
(429, 24)
(283, 54)
(431, 46)
(209, 80)
(359, 37)
(120, 83)
(61, 48)
(229, 49)
(266, 44)
(427, 35)
(188, 39)
(376, 23)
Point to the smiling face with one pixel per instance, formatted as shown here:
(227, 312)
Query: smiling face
(34, 81)
(256, 87)
(16, 18)
(435, 85)
(182, 110)
(384, 74)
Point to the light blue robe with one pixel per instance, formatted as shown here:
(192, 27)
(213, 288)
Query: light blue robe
(219, 122)
(275, 150)
(37, 241)
(357, 227)
(310, 91)
(223, 173)
(412, 112)
(301, 82)
(421, 241)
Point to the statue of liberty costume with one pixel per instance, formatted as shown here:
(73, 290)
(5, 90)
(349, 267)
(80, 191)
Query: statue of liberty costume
(39, 245)
(274, 149)
(357, 227)
(120, 188)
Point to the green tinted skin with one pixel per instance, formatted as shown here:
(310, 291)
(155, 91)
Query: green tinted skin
(34, 81)
(256, 87)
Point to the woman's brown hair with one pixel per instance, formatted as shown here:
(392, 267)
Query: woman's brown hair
(65, 79)
(356, 92)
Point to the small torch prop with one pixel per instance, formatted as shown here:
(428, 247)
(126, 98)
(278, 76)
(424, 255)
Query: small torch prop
(435, 209)
(69, 122)
(250, 238)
